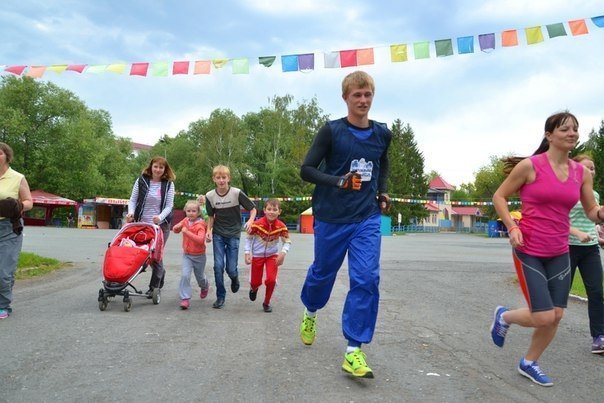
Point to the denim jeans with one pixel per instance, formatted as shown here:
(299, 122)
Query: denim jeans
(226, 251)
(10, 247)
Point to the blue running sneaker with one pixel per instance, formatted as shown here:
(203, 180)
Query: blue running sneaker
(498, 329)
(534, 373)
(3, 313)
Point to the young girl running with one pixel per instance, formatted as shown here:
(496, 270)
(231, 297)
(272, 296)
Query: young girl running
(193, 229)
(549, 185)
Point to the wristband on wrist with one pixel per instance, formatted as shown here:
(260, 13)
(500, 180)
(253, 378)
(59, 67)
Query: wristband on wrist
(512, 228)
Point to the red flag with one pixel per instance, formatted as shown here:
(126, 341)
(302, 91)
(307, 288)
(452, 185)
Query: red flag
(348, 58)
(180, 68)
(78, 68)
(139, 69)
(17, 70)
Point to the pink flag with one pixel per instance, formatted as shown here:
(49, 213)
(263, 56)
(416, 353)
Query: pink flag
(139, 69)
(202, 67)
(180, 68)
(365, 56)
(16, 70)
(348, 58)
(78, 68)
(36, 71)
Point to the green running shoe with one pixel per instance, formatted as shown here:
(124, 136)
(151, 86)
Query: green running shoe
(307, 329)
(355, 364)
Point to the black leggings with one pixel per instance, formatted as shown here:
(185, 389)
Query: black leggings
(587, 258)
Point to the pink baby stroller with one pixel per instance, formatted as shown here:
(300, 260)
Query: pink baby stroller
(130, 252)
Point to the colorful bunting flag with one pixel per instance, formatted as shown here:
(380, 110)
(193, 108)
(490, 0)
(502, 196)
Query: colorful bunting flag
(334, 59)
(202, 67)
(241, 66)
(139, 69)
(578, 27)
(160, 69)
(444, 47)
(465, 44)
(289, 63)
(533, 35)
(267, 61)
(486, 42)
(58, 68)
(117, 68)
(348, 58)
(398, 53)
(36, 71)
(306, 62)
(180, 68)
(95, 69)
(364, 56)
(331, 60)
(16, 70)
(509, 38)
(421, 50)
(555, 30)
(78, 68)
(219, 63)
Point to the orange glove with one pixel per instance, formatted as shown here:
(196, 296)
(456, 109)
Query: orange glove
(350, 181)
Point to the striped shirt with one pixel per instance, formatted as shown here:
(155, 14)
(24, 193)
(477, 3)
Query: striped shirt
(579, 220)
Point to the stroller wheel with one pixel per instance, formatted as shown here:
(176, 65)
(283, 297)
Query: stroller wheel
(127, 305)
(103, 304)
(156, 296)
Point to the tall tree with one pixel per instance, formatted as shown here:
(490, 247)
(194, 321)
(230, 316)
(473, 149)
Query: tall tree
(407, 177)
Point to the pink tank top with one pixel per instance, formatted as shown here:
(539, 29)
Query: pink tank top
(546, 203)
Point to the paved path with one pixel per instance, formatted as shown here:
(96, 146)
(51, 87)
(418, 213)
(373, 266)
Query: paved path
(432, 343)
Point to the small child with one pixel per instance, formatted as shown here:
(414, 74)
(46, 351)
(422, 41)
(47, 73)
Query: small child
(193, 229)
(262, 249)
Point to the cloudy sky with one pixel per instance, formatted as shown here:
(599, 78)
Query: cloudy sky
(463, 108)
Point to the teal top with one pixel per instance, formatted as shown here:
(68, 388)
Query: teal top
(579, 220)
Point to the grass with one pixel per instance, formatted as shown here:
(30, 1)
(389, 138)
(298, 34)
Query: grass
(577, 287)
(31, 265)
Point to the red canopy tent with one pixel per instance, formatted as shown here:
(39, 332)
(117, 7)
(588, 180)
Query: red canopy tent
(49, 202)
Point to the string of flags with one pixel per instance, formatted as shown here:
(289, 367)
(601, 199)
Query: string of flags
(393, 199)
(305, 62)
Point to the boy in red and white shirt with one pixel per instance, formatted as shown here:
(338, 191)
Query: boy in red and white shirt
(193, 229)
(262, 249)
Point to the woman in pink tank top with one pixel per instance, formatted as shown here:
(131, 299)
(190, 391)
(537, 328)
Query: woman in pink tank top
(549, 185)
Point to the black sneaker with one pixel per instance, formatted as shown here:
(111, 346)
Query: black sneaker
(218, 304)
(253, 295)
(149, 293)
(267, 308)
(235, 284)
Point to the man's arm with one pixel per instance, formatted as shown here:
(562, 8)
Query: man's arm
(316, 155)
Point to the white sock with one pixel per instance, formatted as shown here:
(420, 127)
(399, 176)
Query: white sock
(311, 314)
(350, 349)
(502, 321)
(526, 362)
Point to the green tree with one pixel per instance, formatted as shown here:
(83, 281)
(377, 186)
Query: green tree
(488, 179)
(60, 145)
(407, 177)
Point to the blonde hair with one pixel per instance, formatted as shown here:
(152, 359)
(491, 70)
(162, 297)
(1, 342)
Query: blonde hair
(581, 157)
(221, 169)
(358, 79)
(195, 203)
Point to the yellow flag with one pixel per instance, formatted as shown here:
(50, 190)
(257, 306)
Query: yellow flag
(533, 35)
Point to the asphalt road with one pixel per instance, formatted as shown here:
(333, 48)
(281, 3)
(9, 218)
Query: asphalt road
(432, 342)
